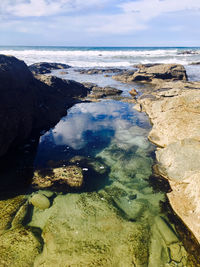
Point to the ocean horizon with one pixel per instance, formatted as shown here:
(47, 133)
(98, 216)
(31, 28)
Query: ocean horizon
(82, 56)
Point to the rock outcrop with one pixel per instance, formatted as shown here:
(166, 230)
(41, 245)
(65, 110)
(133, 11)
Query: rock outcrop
(46, 67)
(154, 73)
(174, 110)
(30, 104)
(100, 92)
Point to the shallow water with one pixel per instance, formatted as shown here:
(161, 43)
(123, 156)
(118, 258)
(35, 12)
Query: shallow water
(117, 218)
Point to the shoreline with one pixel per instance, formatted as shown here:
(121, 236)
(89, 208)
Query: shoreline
(173, 110)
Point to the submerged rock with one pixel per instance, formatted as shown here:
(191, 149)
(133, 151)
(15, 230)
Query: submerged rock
(19, 247)
(86, 231)
(61, 179)
(40, 201)
(46, 67)
(8, 210)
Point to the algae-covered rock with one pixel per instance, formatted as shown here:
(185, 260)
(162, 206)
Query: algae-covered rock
(18, 248)
(132, 209)
(40, 201)
(8, 209)
(61, 179)
(175, 252)
(20, 215)
(166, 231)
(165, 248)
(85, 230)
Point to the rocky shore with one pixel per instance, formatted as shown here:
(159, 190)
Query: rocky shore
(30, 104)
(174, 110)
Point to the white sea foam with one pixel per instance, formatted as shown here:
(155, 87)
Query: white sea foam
(102, 57)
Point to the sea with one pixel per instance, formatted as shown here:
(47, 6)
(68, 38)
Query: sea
(123, 57)
(120, 217)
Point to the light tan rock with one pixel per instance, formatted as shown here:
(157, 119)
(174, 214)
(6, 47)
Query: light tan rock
(174, 110)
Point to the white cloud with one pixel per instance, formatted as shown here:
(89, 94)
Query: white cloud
(38, 8)
(147, 9)
(93, 18)
(135, 15)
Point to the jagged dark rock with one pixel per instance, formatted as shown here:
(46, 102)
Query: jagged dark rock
(46, 67)
(30, 104)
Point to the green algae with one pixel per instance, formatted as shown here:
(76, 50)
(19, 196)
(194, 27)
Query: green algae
(89, 232)
(19, 247)
(8, 210)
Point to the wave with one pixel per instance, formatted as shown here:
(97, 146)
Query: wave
(102, 58)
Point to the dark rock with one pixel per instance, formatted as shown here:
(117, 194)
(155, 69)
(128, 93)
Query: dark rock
(154, 73)
(195, 63)
(46, 67)
(188, 52)
(29, 104)
(98, 71)
(100, 92)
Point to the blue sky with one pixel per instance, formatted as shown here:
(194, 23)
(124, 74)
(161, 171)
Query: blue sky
(100, 22)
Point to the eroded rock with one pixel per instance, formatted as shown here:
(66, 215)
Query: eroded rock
(60, 179)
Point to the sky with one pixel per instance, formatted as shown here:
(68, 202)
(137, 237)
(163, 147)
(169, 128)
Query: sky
(100, 22)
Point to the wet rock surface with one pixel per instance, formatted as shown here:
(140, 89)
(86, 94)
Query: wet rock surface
(46, 67)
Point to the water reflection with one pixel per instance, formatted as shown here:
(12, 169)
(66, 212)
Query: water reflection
(89, 127)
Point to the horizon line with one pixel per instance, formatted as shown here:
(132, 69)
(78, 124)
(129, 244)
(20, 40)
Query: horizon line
(109, 46)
